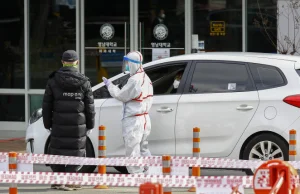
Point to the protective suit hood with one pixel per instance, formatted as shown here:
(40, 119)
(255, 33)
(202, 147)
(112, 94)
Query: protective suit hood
(134, 60)
(134, 68)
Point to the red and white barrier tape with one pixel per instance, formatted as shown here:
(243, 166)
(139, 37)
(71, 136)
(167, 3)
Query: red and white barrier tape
(122, 179)
(176, 161)
(133, 161)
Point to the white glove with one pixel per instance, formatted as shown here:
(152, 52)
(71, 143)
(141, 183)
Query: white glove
(89, 132)
(106, 81)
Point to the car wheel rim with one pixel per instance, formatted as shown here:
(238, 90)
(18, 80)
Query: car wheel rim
(264, 151)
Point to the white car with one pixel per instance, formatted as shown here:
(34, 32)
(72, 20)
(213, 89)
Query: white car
(244, 103)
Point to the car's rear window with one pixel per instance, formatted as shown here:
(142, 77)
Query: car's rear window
(266, 76)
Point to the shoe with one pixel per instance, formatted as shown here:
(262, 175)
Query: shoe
(72, 187)
(69, 188)
(77, 187)
(146, 172)
(146, 168)
(55, 186)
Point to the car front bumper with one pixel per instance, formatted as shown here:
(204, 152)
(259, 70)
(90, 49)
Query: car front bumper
(30, 146)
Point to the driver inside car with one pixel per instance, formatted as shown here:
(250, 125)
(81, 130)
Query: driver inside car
(176, 82)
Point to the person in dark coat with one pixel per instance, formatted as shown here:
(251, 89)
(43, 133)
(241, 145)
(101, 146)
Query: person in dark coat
(68, 113)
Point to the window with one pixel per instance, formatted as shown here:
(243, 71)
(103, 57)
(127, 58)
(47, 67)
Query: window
(12, 45)
(36, 102)
(52, 31)
(109, 29)
(12, 108)
(266, 77)
(217, 21)
(161, 26)
(162, 79)
(262, 24)
(220, 77)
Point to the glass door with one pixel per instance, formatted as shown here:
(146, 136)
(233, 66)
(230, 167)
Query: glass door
(161, 29)
(106, 38)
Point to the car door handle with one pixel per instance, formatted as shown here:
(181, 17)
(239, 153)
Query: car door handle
(164, 109)
(244, 107)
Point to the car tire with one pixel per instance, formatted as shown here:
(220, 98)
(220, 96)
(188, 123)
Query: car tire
(275, 140)
(121, 169)
(89, 154)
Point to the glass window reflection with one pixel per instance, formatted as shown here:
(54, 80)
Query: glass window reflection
(218, 24)
(262, 26)
(12, 108)
(161, 29)
(106, 37)
(12, 44)
(52, 31)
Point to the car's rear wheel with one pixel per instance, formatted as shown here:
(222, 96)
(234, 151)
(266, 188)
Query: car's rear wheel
(89, 154)
(121, 169)
(265, 147)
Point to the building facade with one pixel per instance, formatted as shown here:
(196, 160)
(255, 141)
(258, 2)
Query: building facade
(35, 33)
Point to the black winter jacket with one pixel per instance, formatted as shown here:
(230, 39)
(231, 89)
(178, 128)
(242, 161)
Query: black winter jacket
(68, 109)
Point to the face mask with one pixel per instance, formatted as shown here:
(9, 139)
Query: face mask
(127, 68)
(176, 83)
(163, 15)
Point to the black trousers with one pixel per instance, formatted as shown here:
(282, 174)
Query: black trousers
(64, 168)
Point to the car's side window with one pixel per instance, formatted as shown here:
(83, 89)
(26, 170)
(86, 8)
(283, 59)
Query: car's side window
(220, 77)
(102, 92)
(163, 78)
(266, 76)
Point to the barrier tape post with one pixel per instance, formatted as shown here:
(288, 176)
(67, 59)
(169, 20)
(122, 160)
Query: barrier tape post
(280, 179)
(275, 177)
(292, 145)
(196, 153)
(102, 154)
(166, 169)
(150, 188)
(12, 166)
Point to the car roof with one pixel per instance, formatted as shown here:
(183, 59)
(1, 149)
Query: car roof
(231, 56)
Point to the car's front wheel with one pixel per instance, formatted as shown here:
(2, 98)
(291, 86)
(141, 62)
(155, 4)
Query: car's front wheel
(265, 147)
(89, 154)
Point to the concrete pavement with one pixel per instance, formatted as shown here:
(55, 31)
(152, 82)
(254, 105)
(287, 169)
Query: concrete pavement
(8, 145)
(6, 134)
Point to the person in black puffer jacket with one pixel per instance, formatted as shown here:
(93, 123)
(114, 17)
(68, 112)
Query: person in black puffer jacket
(68, 110)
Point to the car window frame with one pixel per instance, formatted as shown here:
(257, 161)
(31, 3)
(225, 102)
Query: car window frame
(184, 78)
(266, 66)
(180, 89)
(192, 70)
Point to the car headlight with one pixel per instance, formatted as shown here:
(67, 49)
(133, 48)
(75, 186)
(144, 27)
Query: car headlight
(36, 115)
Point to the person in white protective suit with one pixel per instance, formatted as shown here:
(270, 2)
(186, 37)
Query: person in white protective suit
(137, 96)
